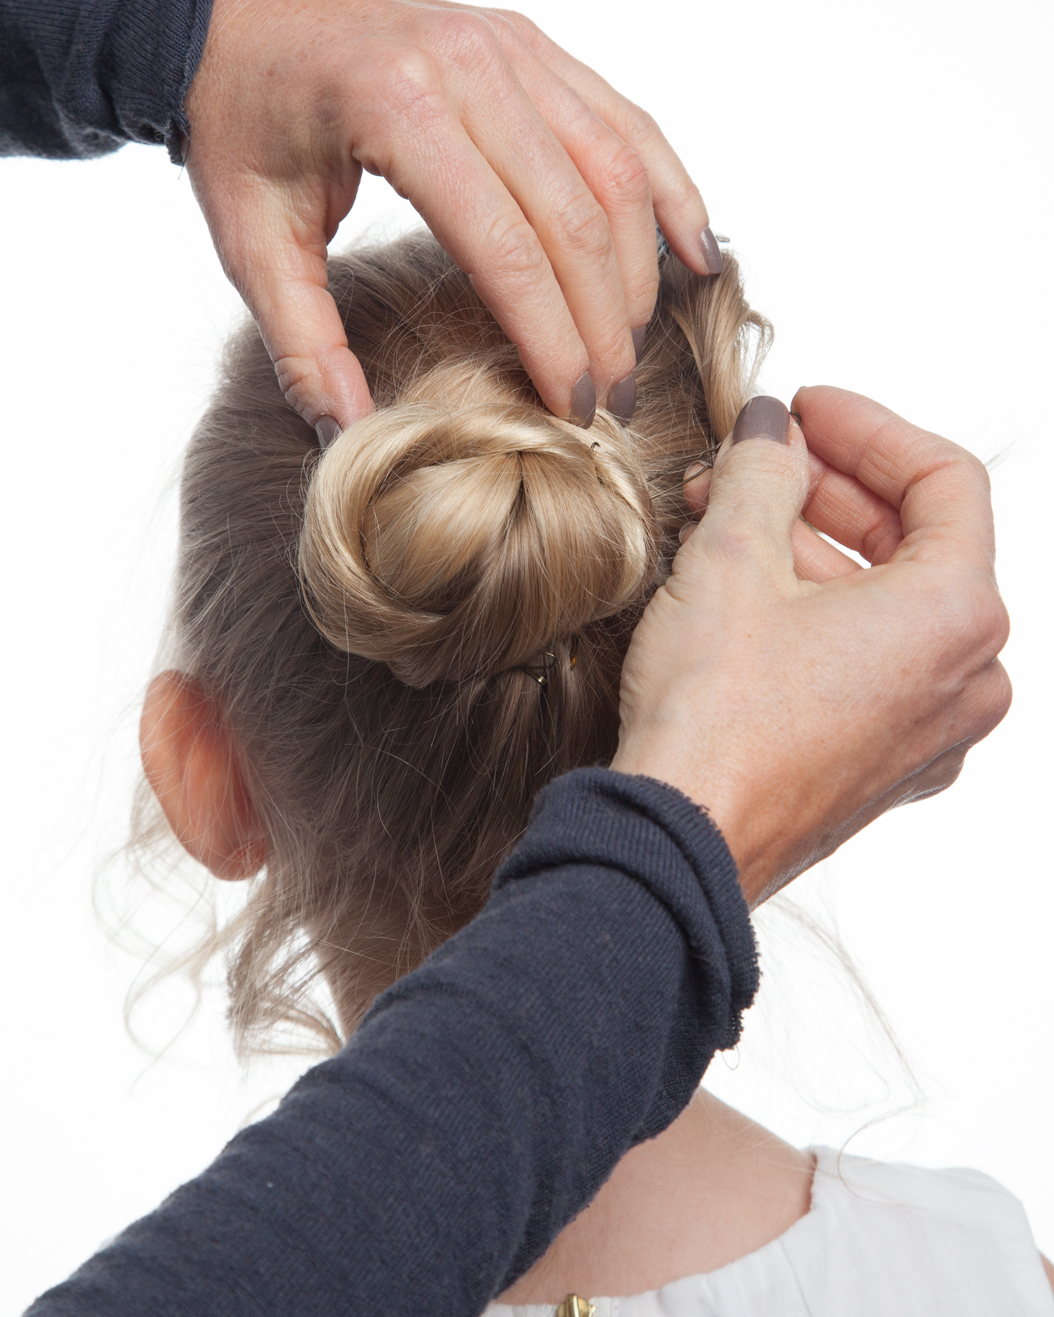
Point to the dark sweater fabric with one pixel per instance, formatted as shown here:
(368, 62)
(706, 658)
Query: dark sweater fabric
(486, 1096)
(79, 78)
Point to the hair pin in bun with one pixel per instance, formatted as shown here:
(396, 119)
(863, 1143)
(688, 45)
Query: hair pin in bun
(540, 671)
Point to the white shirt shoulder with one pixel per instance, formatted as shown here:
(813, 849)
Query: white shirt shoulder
(880, 1240)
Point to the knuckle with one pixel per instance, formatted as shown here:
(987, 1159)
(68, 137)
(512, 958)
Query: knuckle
(987, 704)
(642, 292)
(947, 777)
(996, 621)
(985, 623)
(626, 185)
(1003, 693)
(730, 542)
(582, 228)
(466, 36)
(520, 22)
(971, 622)
(880, 542)
(637, 125)
(514, 250)
(978, 470)
(682, 194)
(412, 91)
(298, 379)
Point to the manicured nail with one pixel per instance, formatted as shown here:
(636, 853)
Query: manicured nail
(638, 340)
(584, 402)
(763, 418)
(696, 469)
(711, 251)
(622, 398)
(327, 430)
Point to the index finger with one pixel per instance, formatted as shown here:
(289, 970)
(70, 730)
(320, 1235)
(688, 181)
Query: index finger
(679, 208)
(942, 491)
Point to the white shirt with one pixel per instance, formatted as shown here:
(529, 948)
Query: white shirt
(879, 1240)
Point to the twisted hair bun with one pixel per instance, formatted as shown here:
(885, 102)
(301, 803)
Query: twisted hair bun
(452, 541)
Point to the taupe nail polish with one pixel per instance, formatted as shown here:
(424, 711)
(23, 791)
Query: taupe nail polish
(327, 429)
(763, 418)
(622, 398)
(583, 402)
(638, 340)
(711, 251)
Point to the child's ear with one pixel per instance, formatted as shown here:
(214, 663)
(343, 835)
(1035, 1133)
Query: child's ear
(191, 762)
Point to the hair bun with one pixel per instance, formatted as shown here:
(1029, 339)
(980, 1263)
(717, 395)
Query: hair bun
(459, 543)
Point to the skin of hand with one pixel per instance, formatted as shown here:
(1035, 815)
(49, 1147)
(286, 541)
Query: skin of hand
(790, 692)
(539, 179)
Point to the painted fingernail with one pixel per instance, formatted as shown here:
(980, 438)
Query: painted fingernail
(584, 402)
(696, 469)
(763, 418)
(327, 430)
(638, 340)
(711, 251)
(622, 398)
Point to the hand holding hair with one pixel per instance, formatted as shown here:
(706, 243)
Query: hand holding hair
(358, 728)
(537, 177)
(797, 710)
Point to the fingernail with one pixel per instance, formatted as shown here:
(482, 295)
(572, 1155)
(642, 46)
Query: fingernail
(584, 402)
(686, 530)
(622, 398)
(796, 418)
(638, 340)
(762, 418)
(327, 430)
(711, 251)
(696, 469)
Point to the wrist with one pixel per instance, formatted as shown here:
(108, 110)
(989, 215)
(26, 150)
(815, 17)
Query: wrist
(739, 804)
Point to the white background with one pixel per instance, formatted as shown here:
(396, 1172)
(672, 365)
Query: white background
(883, 170)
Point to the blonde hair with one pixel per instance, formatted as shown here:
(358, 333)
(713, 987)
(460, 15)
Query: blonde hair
(414, 631)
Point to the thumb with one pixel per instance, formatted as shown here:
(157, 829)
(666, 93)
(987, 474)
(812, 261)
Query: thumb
(759, 486)
(304, 334)
(279, 267)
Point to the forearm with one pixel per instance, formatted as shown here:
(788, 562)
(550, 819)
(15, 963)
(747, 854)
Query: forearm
(485, 1097)
(78, 79)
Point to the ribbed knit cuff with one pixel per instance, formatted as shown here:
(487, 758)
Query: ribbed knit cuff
(655, 834)
(96, 73)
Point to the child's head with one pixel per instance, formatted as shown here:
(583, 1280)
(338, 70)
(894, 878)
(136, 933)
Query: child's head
(386, 649)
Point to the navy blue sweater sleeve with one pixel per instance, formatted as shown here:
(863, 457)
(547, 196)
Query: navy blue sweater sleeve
(485, 1097)
(79, 78)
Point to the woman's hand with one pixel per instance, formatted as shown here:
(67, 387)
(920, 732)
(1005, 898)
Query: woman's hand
(797, 710)
(534, 174)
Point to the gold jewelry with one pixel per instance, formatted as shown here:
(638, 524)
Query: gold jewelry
(574, 1306)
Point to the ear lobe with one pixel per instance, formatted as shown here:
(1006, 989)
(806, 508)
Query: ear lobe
(191, 762)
